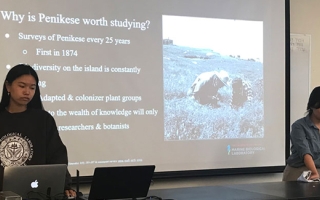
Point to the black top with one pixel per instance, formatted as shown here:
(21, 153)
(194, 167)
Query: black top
(30, 138)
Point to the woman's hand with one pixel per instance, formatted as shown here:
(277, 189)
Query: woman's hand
(70, 193)
(308, 161)
(314, 175)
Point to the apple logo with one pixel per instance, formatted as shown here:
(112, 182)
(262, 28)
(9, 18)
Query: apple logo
(34, 184)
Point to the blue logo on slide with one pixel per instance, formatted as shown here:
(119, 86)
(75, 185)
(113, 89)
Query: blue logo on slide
(229, 149)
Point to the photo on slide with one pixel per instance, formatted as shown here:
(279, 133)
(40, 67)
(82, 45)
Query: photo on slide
(213, 78)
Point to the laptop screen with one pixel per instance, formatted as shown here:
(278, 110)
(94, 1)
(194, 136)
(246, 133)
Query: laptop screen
(121, 182)
(35, 181)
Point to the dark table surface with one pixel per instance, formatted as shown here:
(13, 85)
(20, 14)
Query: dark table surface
(260, 191)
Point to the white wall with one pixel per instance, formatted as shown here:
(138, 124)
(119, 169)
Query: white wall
(305, 20)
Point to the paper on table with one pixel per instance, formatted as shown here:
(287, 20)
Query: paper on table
(304, 177)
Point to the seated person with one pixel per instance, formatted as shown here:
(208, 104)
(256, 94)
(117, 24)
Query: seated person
(26, 125)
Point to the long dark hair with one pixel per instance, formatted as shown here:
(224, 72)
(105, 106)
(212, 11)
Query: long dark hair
(314, 100)
(14, 73)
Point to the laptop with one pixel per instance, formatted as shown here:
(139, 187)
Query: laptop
(121, 182)
(35, 181)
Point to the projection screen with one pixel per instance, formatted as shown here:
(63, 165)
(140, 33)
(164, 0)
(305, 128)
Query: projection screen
(181, 84)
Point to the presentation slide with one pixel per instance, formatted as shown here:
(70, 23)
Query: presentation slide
(181, 84)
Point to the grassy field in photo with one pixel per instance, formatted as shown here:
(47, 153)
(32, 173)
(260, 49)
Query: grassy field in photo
(186, 119)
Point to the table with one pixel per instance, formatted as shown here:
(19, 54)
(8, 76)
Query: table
(292, 190)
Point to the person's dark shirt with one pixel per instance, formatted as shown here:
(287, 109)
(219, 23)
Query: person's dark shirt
(30, 138)
(305, 139)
